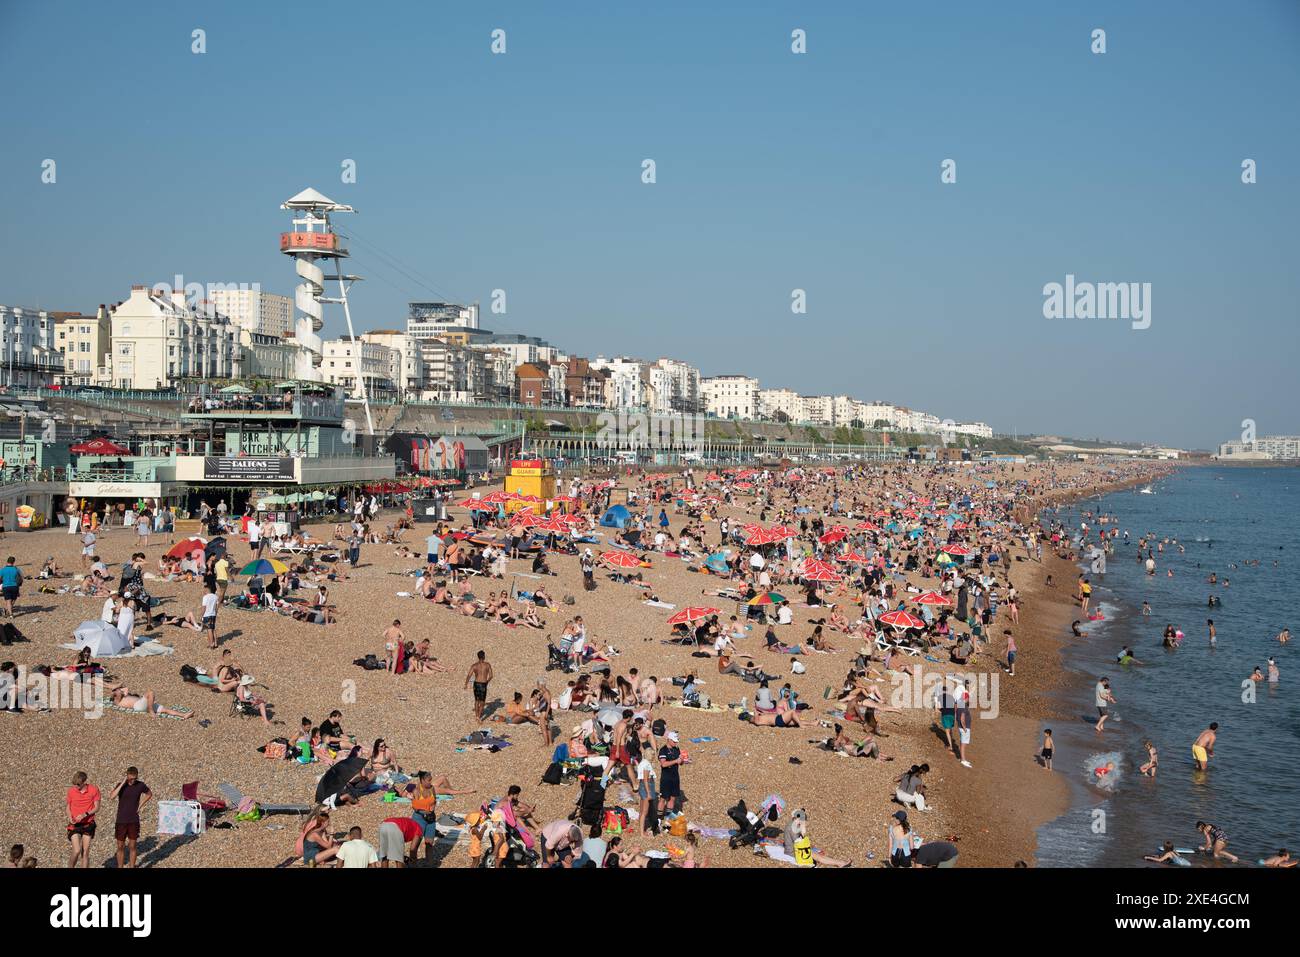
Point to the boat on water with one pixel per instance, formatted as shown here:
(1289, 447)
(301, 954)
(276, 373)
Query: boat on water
(1146, 490)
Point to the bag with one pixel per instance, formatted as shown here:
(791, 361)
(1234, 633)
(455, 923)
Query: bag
(659, 727)
(615, 820)
(189, 673)
(570, 600)
(678, 826)
(276, 751)
(249, 810)
(553, 774)
(372, 663)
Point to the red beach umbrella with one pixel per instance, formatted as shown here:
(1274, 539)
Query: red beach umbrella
(688, 615)
(819, 571)
(621, 559)
(901, 619)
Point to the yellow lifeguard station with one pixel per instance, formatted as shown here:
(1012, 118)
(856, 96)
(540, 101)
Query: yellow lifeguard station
(531, 477)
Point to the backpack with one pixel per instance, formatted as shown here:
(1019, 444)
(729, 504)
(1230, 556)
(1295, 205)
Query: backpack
(615, 820)
(189, 673)
(659, 727)
(553, 774)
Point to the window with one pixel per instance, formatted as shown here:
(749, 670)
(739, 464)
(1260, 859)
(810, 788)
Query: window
(83, 347)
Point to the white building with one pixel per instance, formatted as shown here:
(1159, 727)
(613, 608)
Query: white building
(85, 343)
(819, 409)
(28, 347)
(844, 410)
(977, 429)
(453, 373)
(786, 402)
(159, 339)
(1265, 446)
(261, 356)
(730, 396)
(254, 310)
(625, 388)
(406, 369)
(683, 384)
(429, 320)
(352, 363)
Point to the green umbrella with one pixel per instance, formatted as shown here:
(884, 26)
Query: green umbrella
(285, 385)
(318, 496)
(239, 389)
(271, 500)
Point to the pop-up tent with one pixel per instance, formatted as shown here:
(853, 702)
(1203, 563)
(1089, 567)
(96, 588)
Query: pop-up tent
(615, 517)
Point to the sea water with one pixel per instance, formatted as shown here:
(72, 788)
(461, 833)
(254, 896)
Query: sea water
(1222, 517)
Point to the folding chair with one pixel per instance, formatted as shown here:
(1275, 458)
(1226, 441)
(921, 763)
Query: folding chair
(210, 803)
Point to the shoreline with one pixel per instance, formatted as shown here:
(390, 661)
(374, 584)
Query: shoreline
(1009, 779)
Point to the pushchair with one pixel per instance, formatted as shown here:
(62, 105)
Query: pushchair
(749, 825)
(556, 660)
(517, 854)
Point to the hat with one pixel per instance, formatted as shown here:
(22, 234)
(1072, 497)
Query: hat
(247, 680)
(673, 737)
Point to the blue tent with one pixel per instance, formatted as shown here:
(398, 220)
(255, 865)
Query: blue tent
(616, 517)
(717, 562)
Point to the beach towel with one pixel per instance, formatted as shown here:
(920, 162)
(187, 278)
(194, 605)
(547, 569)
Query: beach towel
(711, 709)
(659, 604)
(142, 650)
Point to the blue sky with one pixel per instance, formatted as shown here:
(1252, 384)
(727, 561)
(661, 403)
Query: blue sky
(775, 171)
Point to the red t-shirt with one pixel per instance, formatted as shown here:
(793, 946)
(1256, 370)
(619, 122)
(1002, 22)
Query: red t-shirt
(410, 830)
(79, 802)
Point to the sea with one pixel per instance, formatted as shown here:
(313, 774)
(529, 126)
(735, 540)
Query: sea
(1217, 520)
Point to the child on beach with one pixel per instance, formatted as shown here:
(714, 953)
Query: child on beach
(1149, 769)
(1046, 753)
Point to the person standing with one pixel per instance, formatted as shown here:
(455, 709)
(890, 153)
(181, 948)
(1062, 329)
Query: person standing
(670, 781)
(11, 581)
(132, 794)
(255, 539)
(210, 603)
(83, 804)
(354, 548)
(221, 571)
(481, 674)
(1104, 699)
(963, 723)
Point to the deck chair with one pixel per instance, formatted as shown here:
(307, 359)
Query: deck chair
(235, 798)
(210, 803)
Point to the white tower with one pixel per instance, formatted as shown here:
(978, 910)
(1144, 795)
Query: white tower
(313, 238)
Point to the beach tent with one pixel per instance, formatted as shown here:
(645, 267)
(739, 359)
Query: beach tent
(716, 562)
(215, 547)
(101, 638)
(616, 517)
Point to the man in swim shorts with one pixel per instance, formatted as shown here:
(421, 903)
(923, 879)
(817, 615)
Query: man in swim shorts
(1203, 746)
(480, 673)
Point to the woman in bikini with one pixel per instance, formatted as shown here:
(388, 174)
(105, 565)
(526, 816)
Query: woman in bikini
(124, 697)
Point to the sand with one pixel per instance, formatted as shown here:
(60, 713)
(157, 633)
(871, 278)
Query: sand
(992, 807)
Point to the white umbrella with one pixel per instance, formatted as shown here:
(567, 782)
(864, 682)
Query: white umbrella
(101, 638)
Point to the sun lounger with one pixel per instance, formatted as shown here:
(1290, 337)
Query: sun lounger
(234, 798)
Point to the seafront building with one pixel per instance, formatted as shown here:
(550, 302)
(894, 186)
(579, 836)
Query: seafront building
(249, 308)
(160, 339)
(28, 348)
(730, 396)
(1269, 447)
(85, 343)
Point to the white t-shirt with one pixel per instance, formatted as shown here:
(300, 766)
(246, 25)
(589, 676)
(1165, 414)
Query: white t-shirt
(357, 853)
(645, 771)
(254, 533)
(107, 613)
(209, 604)
(785, 615)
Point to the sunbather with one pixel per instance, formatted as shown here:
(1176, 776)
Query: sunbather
(124, 697)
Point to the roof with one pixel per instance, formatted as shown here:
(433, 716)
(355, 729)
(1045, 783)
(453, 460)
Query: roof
(310, 198)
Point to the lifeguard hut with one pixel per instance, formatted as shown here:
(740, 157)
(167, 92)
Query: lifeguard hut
(531, 477)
